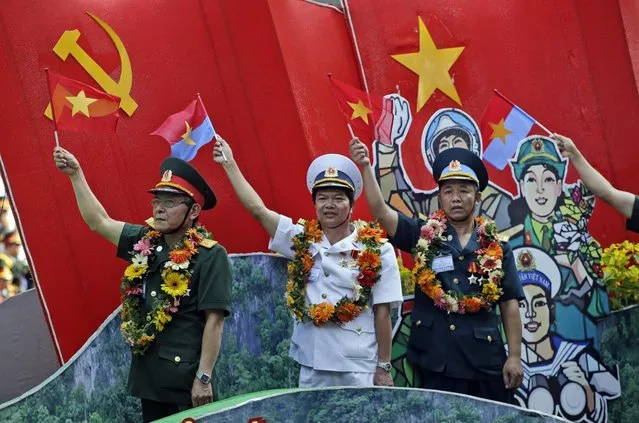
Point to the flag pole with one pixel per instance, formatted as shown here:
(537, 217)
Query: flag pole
(216, 136)
(55, 122)
(524, 112)
(350, 129)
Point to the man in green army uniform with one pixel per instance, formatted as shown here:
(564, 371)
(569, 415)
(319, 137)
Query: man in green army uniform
(176, 290)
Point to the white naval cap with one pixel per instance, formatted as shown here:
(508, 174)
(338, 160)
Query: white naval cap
(334, 170)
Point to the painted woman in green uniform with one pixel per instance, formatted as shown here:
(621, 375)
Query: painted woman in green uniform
(554, 216)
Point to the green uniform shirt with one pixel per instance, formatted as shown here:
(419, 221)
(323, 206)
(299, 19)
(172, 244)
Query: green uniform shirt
(166, 371)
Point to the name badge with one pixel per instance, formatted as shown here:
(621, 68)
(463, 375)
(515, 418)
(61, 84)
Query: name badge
(443, 264)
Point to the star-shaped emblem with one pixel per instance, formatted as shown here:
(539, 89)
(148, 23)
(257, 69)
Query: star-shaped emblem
(187, 135)
(472, 279)
(431, 65)
(359, 111)
(80, 103)
(499, 131)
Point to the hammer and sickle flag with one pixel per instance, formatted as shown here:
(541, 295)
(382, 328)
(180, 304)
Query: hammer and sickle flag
(187, 131)
(79, 107)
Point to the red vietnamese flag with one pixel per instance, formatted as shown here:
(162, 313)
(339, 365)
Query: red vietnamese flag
(79, 107)
(362, 110)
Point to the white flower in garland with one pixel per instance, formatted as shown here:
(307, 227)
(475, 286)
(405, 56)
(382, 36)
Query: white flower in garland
(358, 290)
(139, 260)
(175, 266)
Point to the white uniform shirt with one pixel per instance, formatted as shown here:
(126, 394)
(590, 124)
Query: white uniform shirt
(351, 347)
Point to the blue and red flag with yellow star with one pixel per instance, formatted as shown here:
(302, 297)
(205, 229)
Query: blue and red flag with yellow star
(79, 107)
(502, 126)
(187, 131)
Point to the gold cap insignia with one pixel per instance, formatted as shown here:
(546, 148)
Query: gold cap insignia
(454, 165)
(538, 146)
(166, 177)
(331, 172)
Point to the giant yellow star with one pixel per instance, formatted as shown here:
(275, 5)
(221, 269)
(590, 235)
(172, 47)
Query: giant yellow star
(187, 135)
(359, 111)
(431, 65)
(499, 131)
(80, 103)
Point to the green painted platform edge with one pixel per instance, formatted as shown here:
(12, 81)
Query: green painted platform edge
(221, 405)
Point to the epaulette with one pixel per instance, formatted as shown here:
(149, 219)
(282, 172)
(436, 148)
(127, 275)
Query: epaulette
(207, 243)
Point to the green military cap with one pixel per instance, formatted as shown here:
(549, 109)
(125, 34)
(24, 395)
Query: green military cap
(179, 177)
(537, 150)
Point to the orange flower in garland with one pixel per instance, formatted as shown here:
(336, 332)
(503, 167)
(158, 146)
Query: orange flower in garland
(488, 265)
(347, 308)
(494, 250)
(368, 260)
(139, 329)
(471, 304)
(179, 256)
(426, 277)
(307, 263)
(321, 313)
(347, 312)
(313, 231)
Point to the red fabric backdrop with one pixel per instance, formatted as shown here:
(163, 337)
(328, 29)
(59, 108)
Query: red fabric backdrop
(261, 68)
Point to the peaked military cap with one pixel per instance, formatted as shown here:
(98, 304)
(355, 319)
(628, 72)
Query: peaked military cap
(459, 163)
(179, 177)
(537, 150)
(334, 170)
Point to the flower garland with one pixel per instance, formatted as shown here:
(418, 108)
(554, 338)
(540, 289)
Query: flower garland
(488, 266)
(139, 330)
(299, 269)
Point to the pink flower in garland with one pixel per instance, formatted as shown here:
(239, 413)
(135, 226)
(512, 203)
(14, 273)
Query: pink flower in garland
(143, 246)
(427, 232)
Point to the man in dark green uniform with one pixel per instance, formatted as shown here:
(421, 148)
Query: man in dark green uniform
(455, 343)
(177, 289)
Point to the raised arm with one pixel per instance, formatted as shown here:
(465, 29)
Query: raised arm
(622, 201)
(379, 209)
(93, 213)
(245, 192)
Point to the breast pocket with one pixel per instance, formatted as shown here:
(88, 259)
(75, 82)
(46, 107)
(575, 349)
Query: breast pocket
(176, 367)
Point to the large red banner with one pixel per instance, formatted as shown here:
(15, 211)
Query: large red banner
(260, 68)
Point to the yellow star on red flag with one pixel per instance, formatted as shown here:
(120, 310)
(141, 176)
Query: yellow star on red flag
(80, 103)
(359, 111)
(431, 65)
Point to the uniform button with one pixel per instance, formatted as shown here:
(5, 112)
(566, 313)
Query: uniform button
(452, 327)
(159, 248)
(324, 296)
(461, 258)
(455, 281)
(418, 323)
(153, 293)
(177, 359)
(450, 237)
(490, 338)
(326, 274)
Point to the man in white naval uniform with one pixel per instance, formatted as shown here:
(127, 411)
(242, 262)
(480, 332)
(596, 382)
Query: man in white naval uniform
(357, 352)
